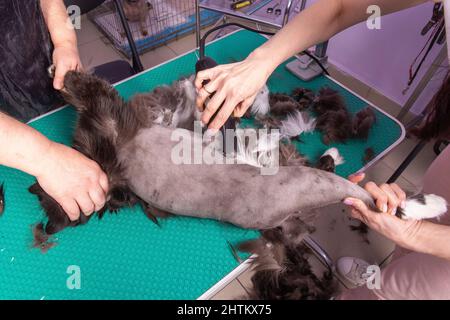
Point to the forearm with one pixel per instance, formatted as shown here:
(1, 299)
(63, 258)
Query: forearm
(430, 238)
(21, 146)
(319, 22)
(56, 18)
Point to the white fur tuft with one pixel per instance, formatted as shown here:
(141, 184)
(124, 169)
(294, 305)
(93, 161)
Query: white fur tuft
(297, 123)
(261, 104)
(258, 153)
(334, 153)
(434, 207)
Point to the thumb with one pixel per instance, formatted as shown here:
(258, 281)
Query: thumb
(357, 177)
(202, 76)
(356, 204)
(240, 110)
(58, 81)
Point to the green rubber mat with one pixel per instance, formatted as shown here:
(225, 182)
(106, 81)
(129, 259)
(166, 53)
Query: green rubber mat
(125, 256)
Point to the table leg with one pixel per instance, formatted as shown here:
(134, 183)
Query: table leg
(197, 23)
(411, 156)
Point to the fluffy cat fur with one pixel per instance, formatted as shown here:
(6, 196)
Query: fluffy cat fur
(282, 270)
(132, 142)
(134, 149)
(122, 137)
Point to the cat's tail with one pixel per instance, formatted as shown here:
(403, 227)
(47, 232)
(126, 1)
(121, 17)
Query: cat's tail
(417, 207)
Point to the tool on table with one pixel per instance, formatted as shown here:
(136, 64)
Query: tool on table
(274, 9)
(257, 6)
(240, 4)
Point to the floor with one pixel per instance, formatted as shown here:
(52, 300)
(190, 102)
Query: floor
(95, 49)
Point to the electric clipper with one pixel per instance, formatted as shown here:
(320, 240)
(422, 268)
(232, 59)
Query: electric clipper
(204, 64)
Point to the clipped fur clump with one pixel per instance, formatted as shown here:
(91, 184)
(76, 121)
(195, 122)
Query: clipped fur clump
(268, 122)
(333, 118)
(335, 121)
(329, 160)
(369, 155)
(289, 156)
(282, 105)
(328, 100)
(304, 97)
(295, 124)
(336, 126)
(282, 270)
(41, 239)
(326, 163)
(362, 122)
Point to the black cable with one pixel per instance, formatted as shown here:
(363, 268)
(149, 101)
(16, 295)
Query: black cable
(207, 33)
(430, 46)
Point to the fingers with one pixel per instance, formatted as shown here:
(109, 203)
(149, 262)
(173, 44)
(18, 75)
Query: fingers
(207, 74)
(381, 198)
(357, 177)
(206, 91)
(85, 203)
(359, 209)
(97, 194)
(71, 208)
(400, 194)
(393, 199)
(212, 106)
(388, 197)
(103, 181)
(202, 95)
(224, 113)
(58, 80)
(242, 108)
(356, 204)
(98, 198)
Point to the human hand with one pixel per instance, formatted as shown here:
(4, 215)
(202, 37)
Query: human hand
(65, 58)
(74, 181)
(235, 85)
(388, 197)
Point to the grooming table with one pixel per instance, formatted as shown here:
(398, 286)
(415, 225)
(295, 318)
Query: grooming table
(126, 256)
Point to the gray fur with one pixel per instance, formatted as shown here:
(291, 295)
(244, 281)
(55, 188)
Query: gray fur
(234, 193)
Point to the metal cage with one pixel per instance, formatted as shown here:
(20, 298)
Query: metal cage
(152, 24)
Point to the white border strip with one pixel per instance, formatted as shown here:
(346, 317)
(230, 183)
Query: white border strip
(235, 273)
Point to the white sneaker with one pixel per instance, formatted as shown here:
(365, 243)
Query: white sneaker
(353, 269)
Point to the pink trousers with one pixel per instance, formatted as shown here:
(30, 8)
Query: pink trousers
(412, 275)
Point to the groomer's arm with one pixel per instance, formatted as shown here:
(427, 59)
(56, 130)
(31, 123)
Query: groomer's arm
(236, 84)
(65, 54)
(73, 180)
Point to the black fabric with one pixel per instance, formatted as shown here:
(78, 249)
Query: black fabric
(26, 90)
(114, 71)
